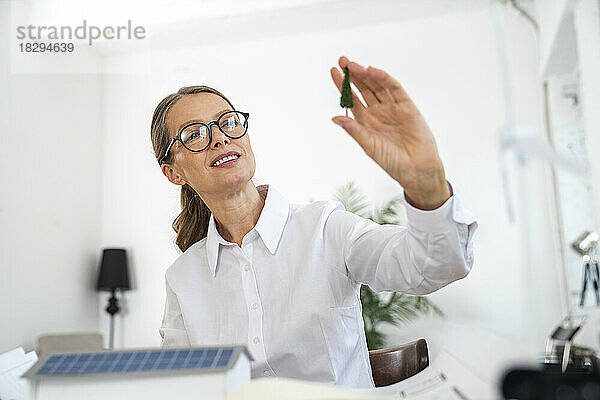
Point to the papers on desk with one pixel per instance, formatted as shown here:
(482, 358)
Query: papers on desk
(13, 364)
(447, 378)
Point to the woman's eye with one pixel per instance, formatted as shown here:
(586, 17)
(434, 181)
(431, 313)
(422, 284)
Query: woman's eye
(197, 133)
(230, 123)
(193, 135)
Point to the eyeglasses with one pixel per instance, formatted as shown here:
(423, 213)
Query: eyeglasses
(197, 136)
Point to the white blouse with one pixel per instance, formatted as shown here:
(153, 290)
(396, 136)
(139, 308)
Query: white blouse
(291, 293)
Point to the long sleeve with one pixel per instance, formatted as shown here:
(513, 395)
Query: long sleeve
(172, 330)
(433, 251)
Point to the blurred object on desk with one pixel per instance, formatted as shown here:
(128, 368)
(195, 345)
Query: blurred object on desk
(12, 365)
(69, 342)
(558, 344)
(187, 373)
(567, 371)
(544, 384)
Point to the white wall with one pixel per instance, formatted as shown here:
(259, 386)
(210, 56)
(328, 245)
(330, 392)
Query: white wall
(50, 204)
(105, 188)
(449, 66)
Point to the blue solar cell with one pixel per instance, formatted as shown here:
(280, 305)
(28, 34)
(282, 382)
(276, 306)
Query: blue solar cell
(137, 361)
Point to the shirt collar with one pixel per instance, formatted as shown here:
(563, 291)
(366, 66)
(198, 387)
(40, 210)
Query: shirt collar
(270, 225)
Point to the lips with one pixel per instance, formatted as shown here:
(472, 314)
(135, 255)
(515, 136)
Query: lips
(229, 153)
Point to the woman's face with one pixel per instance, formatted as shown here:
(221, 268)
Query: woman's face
(196, 169)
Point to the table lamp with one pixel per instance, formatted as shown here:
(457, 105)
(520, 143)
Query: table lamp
(113, 275)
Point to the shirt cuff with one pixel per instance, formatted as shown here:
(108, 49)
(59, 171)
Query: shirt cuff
(440, 219)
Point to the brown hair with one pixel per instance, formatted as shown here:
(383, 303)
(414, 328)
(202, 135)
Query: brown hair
(191, 224)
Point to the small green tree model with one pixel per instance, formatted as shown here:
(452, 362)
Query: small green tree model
(346, 101)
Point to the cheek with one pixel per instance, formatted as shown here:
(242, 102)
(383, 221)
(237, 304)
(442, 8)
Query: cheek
(250, 158)
(194, 164)
(247, 147)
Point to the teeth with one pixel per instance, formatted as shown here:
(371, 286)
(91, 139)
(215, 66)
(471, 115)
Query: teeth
(225, 159)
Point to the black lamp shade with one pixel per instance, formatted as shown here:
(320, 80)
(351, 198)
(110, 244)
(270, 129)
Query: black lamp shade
(113, 273)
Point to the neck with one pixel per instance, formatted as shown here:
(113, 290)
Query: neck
(237, 211)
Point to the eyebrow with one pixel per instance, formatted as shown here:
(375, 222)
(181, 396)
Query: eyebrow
(199, 120)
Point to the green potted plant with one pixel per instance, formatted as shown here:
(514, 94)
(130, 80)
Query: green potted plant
(395, 308)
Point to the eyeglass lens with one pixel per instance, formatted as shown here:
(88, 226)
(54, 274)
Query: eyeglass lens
(196, 136)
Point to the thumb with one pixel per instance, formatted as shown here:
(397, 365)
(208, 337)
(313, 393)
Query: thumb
(356, 130)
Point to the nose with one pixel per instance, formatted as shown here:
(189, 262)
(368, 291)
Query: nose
(219, 138)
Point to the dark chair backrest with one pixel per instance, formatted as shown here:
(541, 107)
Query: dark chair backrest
(395, 364)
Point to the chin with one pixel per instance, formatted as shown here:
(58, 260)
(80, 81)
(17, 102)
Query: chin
(236, 179)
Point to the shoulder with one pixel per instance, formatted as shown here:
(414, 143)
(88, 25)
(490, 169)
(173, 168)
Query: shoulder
(317, 208)
(315, 212)
(311, 217)
(194, 254)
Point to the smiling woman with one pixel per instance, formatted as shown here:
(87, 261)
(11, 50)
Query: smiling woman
(192, 223)
(284, 279)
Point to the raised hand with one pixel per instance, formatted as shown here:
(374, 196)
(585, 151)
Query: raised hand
(392, 131)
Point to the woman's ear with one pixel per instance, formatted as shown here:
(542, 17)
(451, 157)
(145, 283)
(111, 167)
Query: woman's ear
(172, 175)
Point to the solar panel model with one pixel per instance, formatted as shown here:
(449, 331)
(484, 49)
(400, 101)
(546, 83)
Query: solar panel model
(186, 373)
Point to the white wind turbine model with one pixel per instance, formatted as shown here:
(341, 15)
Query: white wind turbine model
(522, 139)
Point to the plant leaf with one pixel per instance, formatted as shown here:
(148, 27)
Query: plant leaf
(353, 199)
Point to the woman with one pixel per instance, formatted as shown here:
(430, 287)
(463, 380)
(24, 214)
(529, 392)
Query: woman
(282, 278)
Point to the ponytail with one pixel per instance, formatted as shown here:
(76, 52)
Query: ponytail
(191, 224)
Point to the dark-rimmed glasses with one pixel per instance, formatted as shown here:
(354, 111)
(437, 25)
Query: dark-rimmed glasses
(197, 136)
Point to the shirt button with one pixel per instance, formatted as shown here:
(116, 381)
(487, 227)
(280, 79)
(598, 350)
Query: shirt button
(254, 306)
(256, 340)
(266, 373)
(246, 268)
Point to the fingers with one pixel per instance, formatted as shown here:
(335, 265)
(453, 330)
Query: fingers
(365, 92)
(357, 131)
(371, 90)
(338, 78)
(392, 85)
